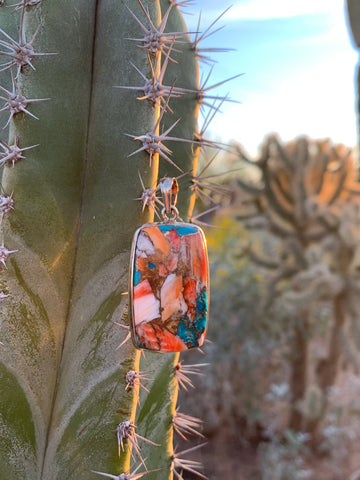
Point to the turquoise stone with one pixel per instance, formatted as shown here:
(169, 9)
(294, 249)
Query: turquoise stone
(180, 230)
(137, 277)
(188, 335)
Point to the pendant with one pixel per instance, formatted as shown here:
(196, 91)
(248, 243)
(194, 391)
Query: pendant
(169, 281)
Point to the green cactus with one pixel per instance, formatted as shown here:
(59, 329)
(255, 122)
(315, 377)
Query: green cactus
(68, 212)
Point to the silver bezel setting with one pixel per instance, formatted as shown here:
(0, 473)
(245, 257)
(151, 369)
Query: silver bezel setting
(131, 275)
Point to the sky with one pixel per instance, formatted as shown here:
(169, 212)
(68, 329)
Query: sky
(298, 66)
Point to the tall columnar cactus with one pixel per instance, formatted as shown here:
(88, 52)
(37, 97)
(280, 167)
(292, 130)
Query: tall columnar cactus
(77, 154)
(309, 199)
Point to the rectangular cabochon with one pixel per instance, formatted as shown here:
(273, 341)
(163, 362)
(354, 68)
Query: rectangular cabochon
(169, 287)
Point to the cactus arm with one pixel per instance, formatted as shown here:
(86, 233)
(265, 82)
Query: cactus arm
(249, 188)
(321, 166)
(264, 261)
(298, 184)
(283, 156)
(339, 188)
(279, 209)
(283, 191)
(295, 247)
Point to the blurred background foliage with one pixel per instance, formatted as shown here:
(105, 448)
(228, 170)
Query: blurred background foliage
(280, 396)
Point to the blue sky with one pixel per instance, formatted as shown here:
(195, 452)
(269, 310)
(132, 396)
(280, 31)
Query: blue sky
(298, 64)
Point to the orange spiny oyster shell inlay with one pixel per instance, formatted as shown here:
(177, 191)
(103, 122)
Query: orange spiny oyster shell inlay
(169, 287)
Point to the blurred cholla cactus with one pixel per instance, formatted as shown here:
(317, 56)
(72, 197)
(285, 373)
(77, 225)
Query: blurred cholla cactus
(308, 198)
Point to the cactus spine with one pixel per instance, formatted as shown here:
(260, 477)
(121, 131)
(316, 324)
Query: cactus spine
(68, 215)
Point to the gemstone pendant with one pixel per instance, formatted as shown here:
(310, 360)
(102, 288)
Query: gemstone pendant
(169, 287)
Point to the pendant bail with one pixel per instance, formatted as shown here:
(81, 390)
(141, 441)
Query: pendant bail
(169, 189)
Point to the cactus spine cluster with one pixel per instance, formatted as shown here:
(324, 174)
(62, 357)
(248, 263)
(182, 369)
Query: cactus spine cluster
(77, 152)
